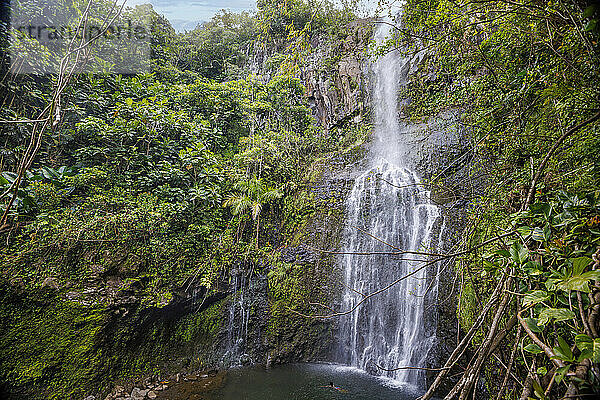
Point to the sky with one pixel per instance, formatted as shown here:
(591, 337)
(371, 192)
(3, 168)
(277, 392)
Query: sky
(186, 14)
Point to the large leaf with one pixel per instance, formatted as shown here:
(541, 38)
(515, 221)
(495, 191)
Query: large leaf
(595, 275)
(533, 349)
(540, 208)
(586, 343)
(525, 231)
(502, 253)
(49, 173)
(537, 296)
(532, 324)
(564, 348)
(538, 390)
(559, 314)
(9, 176)
(518, 253)
(532, 268)
(560, 373)
(579, 279)
(579, 283)
(589, 11)
(579, 264)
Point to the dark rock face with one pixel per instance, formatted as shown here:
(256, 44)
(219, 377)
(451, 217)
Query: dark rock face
(337, 93)
(300, 255)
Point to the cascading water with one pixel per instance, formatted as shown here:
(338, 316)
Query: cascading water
(237, 328)
(387, 331)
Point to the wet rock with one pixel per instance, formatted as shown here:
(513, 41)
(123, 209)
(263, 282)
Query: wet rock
(138, 394)
(119, 390)
(337, 92)
(298, 255)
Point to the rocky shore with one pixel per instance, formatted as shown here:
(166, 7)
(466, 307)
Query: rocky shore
(192, 386)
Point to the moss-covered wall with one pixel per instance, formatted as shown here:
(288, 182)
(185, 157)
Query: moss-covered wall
(55, 348)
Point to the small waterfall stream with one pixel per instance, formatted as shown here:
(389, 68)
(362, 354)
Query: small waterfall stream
(387, 201)
(237, 327)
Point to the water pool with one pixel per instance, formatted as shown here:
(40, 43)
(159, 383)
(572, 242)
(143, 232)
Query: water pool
(295, 382)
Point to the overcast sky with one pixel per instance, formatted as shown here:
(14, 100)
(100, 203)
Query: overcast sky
(186, 14)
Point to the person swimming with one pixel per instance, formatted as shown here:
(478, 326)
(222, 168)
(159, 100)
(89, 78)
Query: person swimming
(332, 386)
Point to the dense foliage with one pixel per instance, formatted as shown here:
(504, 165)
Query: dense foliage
(151, 189)
(525, 76)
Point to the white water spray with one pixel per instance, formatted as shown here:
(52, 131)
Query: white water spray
(387, 331)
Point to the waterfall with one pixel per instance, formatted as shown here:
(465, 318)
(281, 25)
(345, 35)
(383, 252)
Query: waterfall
(387, 331)
(237, 327)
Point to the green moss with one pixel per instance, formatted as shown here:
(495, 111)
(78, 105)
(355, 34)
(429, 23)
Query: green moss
(204, 326)
(49, 343)
(52, 348)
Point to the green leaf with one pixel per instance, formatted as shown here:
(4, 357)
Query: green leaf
(547, 232)
(541, 235)
(560, 373)
(565, 348)
(578, 283)
(537, 296)
(579, 279)
(533, 349)
(532, 268)
(537, 389)
(532, 324)
(503, 253)
(542, 371)
(9, 176)
(559, 355)
(518, 253)
(538, 234)
(596, 351)
(551, 283)
(585, 354)
(559, 314)
(584, 342)
(579, 264)
(49, 173)
(591, 25)
(541, 208)
(592, 275)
